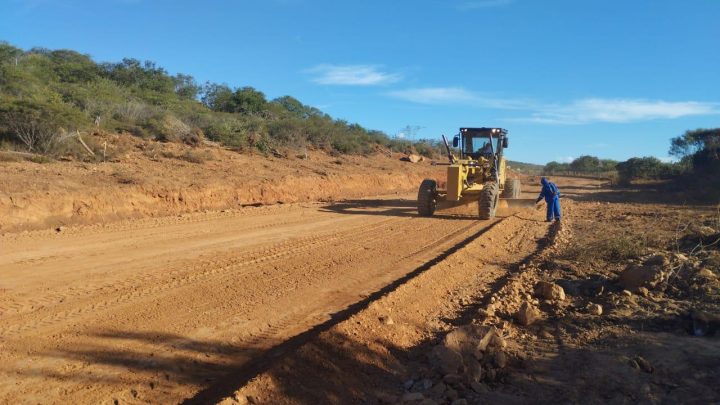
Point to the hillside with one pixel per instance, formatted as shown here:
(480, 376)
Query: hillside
(526, 168)
(47, 95)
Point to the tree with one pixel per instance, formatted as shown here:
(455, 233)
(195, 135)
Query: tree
(296, 108)
(40, 126)
(585, 164)
(244, 100)
(608, 165)
(186, 87)
(698, 149)
(8, 53)
(73, 67)
(249, 101)
(642, 168)
(146, 75)
(556, 167)
(217, 97)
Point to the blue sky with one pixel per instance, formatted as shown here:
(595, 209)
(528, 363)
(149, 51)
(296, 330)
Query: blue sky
(605, 77)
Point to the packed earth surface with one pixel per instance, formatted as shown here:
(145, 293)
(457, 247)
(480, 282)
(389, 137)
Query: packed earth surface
(160, 277)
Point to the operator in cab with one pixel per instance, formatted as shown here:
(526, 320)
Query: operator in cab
(486, 151)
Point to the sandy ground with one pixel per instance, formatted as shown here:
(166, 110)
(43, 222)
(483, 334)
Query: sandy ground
(454, 334)
(353, 301)
(154, 310)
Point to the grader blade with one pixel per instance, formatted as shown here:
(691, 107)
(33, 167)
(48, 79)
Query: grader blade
(516, 203)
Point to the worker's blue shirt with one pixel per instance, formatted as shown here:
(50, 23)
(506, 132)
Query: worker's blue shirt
(549, 191)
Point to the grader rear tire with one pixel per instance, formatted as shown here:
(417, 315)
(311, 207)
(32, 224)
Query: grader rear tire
(487, 204)
(512, 188)
(427, 198)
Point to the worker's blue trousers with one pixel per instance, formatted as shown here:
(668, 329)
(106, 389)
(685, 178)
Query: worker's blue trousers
(553, 209)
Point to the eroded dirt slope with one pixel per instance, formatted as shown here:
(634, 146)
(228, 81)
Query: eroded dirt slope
(147, 178)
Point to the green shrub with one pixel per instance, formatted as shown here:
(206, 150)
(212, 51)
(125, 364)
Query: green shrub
(194, 156)
(54, 91)
(39, 125)
(643, 168)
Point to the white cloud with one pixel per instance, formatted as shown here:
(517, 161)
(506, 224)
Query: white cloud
(352, 75)
(583, 111)
(434, 95)
(478, 4)
(619, 111)
(457, 95)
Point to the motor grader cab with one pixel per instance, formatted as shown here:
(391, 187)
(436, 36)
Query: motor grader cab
(478, 174)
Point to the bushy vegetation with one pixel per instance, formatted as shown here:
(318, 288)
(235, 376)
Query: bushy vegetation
(47, 95)
(583, 165)
(525, 168)
(697, 152)
(645, 168)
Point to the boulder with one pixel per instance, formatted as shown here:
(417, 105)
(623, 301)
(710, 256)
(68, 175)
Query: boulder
(473, 370)
(438, 389)
(635, 276)
(595, 309)
(527, 314)
(467, 339)
(452, 379)
(549, 291)
(656, 260)
(446, 359)
(412, 158)
(644, 365)
(501, 359)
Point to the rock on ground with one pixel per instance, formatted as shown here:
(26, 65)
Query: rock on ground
(527, 314)
(549, 291)
(646, 275)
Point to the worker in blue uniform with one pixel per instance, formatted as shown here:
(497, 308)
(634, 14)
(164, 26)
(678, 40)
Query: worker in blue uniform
(551, 194)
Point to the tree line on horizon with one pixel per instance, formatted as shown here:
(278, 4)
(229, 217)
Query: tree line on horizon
(696, 152)
(46, 94)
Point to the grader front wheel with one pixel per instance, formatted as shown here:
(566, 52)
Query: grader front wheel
(487, 204)
(427, 198)
(512, 188)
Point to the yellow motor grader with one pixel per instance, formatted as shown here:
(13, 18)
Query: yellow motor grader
(477, 175)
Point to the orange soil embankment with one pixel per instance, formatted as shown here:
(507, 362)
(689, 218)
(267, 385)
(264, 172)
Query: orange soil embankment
(153, 179)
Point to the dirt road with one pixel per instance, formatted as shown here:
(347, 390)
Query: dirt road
(530, 313)
(155, 310)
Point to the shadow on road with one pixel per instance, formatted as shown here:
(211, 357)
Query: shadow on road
(392, 208)
(405, 208)
(222, 367)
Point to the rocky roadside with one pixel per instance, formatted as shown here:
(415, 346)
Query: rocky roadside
(590, 317)
(646, 332)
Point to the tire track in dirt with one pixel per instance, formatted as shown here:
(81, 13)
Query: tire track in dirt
(250, 298)
(271, 378)
(457, 241)
(299, 320)
(158, 282)
(18, 306)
